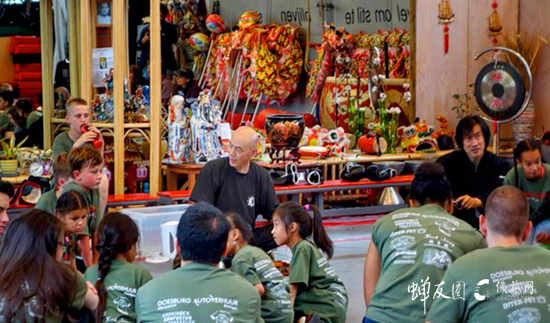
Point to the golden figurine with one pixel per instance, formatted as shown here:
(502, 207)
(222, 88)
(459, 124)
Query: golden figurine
(446, 14)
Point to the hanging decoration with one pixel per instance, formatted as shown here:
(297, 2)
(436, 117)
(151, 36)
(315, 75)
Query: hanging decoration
(494, 23)
(446, 16)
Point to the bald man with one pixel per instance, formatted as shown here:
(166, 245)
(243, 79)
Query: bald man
(236, 184)
(508, 282)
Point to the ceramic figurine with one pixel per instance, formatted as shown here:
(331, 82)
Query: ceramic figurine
(205, 120)
(178, 132)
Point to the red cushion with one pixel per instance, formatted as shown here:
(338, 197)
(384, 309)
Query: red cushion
(25, 49)
(36, 85)
(25, 40)
(28, 76)
(28, 68)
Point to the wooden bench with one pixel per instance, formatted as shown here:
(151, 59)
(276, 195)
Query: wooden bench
(317, 191)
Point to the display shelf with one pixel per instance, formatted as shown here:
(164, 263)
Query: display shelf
(82, 21)
(107, 124)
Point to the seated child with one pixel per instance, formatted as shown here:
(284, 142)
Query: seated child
(72, 210)
(115, 277)
(62, 175)
(86, 164)
(315, 288)
(78, 113)
(256, 266)
(36, 286)
(533, 178)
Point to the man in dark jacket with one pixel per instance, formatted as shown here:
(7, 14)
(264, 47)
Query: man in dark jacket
(473, 171)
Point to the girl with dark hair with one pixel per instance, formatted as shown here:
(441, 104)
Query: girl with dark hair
(72, 210)
(316, 290)
(533, 178)
(254, 265)
(412, 244)
(115, 277)
(36, 286)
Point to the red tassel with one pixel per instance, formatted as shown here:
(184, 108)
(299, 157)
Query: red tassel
(446, 33)
(495, 124)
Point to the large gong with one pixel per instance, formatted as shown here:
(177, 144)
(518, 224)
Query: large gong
(500, 88)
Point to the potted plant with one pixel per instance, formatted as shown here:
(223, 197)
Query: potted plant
(8, 161)
(528, 46)
(465, 103)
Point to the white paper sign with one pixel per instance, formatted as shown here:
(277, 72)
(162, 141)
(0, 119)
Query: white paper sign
(102, 63)
(224, 131)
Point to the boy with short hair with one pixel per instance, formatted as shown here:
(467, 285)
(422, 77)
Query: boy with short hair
(78, 113)
(86, 165)
(61, 175)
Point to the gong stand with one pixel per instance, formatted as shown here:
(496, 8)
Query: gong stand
(500, 91)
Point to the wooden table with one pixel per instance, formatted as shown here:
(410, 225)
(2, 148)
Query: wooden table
(173, 170)
(16, 180)
(295, 191)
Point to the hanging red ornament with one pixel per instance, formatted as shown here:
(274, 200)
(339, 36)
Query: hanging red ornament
(446, 16)
(495, 27)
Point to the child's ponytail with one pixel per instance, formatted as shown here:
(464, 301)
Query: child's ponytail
(117, 234)
(320, 236)
(292, 212)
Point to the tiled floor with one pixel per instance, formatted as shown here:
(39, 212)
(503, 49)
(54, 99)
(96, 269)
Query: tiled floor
(351, 244)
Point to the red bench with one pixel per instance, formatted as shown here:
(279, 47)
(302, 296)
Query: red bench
(170, 197)
(112, 201)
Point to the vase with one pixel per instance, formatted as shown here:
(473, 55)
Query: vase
(9, 167)
(284, 130)
(523, 126)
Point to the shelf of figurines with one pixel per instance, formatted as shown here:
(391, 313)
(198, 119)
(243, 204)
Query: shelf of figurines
(107, 125)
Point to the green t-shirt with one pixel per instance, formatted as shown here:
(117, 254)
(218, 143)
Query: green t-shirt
(122, 282)
(77, 304)
(536, 192)
(254, 265)
(33, 117)
(320, 290)
(47, 201)
(5, 124)
(92, 198)
(197, 293)
(499, 285)
(415, 244)
(62, 144)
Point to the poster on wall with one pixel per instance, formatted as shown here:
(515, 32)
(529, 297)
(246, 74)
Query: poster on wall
(355, 16)
(102, 63)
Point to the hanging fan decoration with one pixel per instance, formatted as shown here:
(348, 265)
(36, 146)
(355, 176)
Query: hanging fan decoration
(446, 16)
(494, 23)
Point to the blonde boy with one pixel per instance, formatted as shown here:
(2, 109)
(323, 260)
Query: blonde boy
(78, 113)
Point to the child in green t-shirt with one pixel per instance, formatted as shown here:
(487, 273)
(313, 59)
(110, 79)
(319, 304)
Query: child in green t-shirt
(254, 265)
(36, 287)
(533, 178)
(86, 164)
(316, 290)
(115, 277)
(61, 175)
(77, 114)
(72, 210)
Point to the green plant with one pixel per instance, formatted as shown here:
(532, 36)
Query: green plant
(465, 104)
(10, 150)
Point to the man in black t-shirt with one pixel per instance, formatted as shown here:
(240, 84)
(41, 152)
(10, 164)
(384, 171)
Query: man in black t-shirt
(236, 184)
